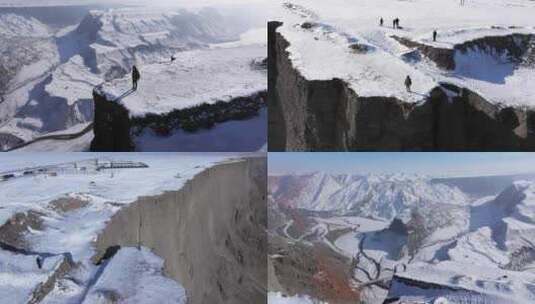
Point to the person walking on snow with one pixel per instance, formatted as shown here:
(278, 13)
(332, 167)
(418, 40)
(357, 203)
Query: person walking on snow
(135, 77)
(434, 35)
(39, 261)
(408, 83)
(381, 21)
(394, 23)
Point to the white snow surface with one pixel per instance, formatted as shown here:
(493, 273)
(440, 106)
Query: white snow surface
(137, 276)
(279, 298)
(510, 286)
(12, 25)
(199, 76)
(323, 52)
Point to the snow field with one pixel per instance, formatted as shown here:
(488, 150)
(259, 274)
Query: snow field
(323, 52)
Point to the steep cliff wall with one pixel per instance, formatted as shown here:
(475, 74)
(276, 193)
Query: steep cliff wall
(211, 233)
(327, 115)
(111, 126)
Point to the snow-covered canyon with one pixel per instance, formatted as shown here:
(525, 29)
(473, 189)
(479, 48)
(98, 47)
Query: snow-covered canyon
(401, 238)
(51, 67)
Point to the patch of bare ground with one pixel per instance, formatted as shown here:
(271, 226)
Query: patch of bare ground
(314, 270)
(13, 231)
(66, 204)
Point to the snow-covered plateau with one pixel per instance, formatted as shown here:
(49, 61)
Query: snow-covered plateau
(50, 68)
(401, 239)
(340, 73)
(126, 228)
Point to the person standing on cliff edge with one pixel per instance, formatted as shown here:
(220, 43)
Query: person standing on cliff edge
(408, 83)
(135, 77)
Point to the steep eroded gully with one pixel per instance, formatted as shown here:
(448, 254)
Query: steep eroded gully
(327, 115)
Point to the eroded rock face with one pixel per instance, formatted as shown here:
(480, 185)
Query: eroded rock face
(111, 126)
(521, 258)
(13, 231)
(211, 233)
(43, 289)
(514, 48)
(327, 115)
(443, 58)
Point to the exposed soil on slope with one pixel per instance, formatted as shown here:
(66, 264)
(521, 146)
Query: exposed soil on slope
(66, 204)
(13, 231)
(313, 270)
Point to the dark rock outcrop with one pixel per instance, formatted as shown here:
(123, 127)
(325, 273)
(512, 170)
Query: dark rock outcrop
(515, 48)
(407, 290)
(397, 226)
(521, 258)
(311, 115)
(111, 126)
(444, 58)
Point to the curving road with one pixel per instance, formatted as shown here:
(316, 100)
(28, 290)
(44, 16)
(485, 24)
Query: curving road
(60, 137)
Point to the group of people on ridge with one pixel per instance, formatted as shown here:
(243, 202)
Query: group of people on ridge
(395, 24)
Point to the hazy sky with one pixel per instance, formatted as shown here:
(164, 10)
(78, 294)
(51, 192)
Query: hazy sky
(434, 164)
(151, 2)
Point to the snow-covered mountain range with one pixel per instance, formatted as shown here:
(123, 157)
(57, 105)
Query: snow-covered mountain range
(380, 196)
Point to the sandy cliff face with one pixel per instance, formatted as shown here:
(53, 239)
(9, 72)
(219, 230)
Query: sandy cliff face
(211, 233)
(327, 115)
